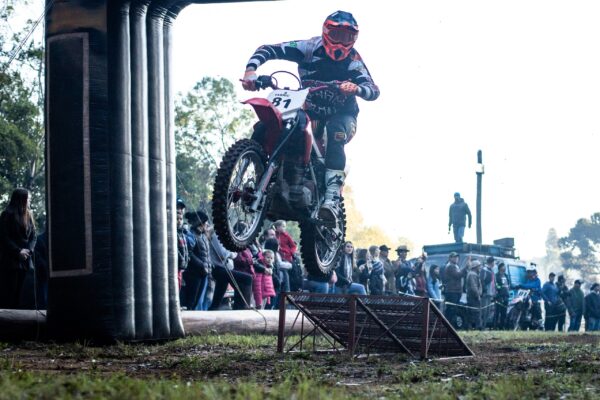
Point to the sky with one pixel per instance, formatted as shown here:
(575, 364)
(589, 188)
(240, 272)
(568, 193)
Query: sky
(517, 80)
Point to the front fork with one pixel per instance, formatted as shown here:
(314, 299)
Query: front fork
(261, 191)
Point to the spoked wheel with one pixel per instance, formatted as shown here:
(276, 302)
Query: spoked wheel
(513, 319)
(322, 245)
(234, 193)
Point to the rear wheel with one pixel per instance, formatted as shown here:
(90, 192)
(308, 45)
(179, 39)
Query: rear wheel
(322, 245)
(235, 190)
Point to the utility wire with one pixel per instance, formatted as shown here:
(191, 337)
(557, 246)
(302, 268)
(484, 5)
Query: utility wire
(18, 49)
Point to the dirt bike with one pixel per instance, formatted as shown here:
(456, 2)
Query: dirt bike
(519, 313)
(279, 173)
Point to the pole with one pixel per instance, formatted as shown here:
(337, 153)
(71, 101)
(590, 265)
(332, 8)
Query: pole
(479, 172)
(425, 329)
(281, 330)
(352, 326)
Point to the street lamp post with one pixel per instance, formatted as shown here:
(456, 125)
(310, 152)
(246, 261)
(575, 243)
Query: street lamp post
(479, 171)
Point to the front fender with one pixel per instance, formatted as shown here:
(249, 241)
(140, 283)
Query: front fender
(271, 118)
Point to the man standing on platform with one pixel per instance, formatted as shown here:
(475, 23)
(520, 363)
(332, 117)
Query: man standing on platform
(459, 212)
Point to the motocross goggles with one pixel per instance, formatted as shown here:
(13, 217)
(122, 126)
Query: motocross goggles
(340, 34)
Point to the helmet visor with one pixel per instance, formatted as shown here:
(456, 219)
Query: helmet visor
(341, 35)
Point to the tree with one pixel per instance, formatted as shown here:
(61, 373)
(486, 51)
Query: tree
(552, 260)
(580, 252)
(22, 139)
(208, 119)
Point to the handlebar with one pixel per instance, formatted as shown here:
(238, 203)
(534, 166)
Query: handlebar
(269, 81)
(265, 81)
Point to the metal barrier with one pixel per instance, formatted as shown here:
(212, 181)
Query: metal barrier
(359, 324)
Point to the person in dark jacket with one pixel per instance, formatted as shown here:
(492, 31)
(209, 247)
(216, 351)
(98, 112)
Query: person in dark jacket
(199, 268)
(503, 285)
(17, 244)
(534, 285)
(402, 265)
(458, 214)
(183, 255)
(240, 281)
(488, 284)
(561, 305)
(344, 270)
(592, 309)
(452, 277)
(377, 276)
(550, 296)
(363, 268)
(474, 291)
(575, 304)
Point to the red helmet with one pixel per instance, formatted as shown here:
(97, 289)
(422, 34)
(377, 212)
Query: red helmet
(340, 31)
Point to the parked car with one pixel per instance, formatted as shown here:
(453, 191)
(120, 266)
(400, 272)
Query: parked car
(502, 250)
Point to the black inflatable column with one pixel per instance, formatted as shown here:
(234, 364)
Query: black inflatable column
(82, 297)
(110, 172)
(119, 132)
(158, 173)
(141, 196)
(171, 15)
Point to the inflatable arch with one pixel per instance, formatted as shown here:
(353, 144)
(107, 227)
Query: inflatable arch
(111, 170)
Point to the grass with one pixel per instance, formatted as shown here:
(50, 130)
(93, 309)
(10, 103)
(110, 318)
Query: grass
(508, 365)
(119, 386)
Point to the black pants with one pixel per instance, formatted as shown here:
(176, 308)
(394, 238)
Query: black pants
(340, 129)
(500, 316)
(190, 292)
(560, 320)
(222, 279)
(451, 311)
(551, 319)
(474, 313)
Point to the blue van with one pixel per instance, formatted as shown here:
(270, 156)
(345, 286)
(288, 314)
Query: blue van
(502, 250)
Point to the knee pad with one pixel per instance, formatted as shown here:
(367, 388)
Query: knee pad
(340, 132)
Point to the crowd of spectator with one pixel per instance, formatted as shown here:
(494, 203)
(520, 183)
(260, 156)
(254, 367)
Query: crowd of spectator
(256, 276)
(485, 286)
(212, 277)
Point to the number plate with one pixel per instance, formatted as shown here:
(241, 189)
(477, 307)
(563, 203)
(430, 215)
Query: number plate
(288, 100)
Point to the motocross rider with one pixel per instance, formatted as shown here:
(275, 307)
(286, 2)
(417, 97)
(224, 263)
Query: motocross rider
(329, 57)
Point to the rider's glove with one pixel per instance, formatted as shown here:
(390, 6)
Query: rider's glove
(249, 80)
(348, 88)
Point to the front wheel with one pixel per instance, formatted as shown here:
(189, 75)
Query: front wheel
(322, 245)
(235, 190)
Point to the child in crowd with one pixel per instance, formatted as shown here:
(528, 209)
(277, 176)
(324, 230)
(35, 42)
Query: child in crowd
(408, 283)
(262, 285)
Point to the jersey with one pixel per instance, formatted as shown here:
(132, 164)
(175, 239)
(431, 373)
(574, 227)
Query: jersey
(315, 65)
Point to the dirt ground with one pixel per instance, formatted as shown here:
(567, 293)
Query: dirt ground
(225, 357)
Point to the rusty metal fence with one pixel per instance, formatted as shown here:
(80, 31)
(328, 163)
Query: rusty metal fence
(368, 325)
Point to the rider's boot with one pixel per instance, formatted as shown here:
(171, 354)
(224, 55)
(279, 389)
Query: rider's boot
(334, 180)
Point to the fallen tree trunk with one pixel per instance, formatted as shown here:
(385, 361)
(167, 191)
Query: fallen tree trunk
(31, 324)
(22, 324)
(240, 322)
